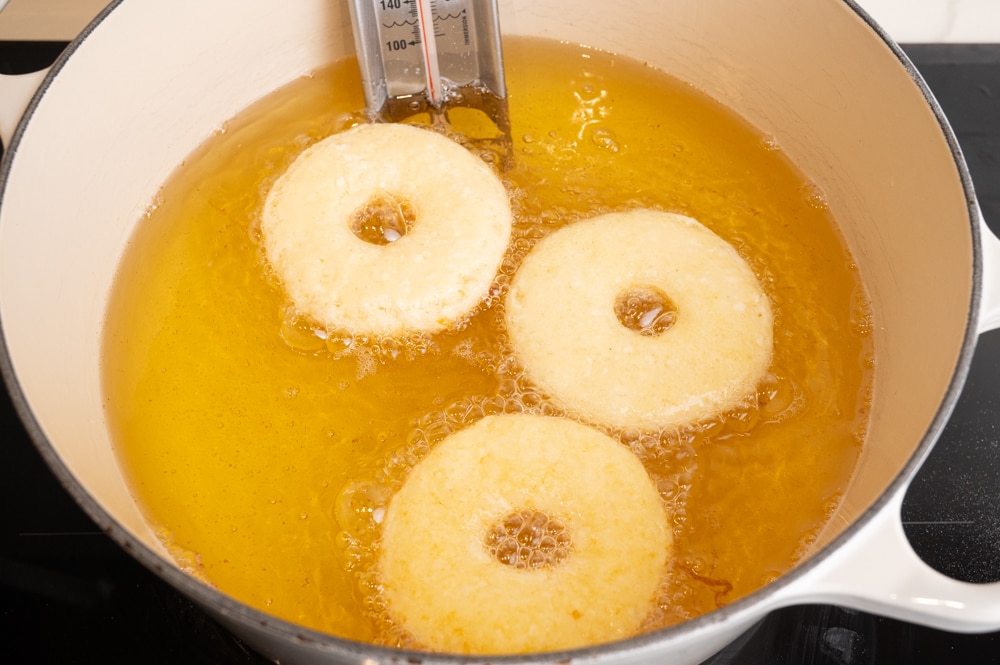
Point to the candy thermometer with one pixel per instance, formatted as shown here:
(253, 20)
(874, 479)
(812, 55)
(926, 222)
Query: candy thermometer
(430, 55)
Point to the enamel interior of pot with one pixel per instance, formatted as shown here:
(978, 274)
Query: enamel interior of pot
(156, 78)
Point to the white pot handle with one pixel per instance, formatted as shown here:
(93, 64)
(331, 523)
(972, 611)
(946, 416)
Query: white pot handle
(989, 314)
(877, 571)
(15, 95)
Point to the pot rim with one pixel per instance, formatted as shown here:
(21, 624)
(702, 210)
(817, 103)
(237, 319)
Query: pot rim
(235, 610)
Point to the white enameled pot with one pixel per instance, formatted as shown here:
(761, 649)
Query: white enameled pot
(149, 80)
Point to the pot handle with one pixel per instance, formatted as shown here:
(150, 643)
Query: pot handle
(877, 571)
(15, 95)
(989, 314)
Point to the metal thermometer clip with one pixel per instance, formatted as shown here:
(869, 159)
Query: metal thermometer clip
(421, 56)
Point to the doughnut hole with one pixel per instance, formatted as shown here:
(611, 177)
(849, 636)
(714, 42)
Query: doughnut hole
(383, 219)
(645, 310)
(528, 539)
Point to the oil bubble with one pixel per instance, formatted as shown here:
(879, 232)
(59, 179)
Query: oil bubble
(815, 196)
(357, 503)
(300, 334)
(605, 139)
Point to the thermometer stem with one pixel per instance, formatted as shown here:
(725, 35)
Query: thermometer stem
(430, 53)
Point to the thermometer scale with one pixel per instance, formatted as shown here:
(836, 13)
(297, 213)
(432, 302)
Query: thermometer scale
(429, 55)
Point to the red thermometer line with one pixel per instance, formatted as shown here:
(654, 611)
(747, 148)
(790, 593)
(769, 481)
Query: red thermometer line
(427, 39)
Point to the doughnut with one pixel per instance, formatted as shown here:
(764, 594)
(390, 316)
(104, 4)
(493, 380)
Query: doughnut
(523, 533)
(452, 223)
(563, 323)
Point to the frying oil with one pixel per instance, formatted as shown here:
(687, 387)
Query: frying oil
(265, 451)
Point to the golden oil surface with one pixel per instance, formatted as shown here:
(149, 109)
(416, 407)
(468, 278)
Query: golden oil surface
(266, 454)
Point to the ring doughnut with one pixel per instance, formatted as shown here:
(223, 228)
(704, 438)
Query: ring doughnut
(592, 529)
(421, 278)
(562, 321)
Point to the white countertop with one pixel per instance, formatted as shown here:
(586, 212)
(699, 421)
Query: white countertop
(910, 21)
(905, 20)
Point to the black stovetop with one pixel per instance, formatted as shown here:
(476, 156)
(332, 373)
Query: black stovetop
(70, 595)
